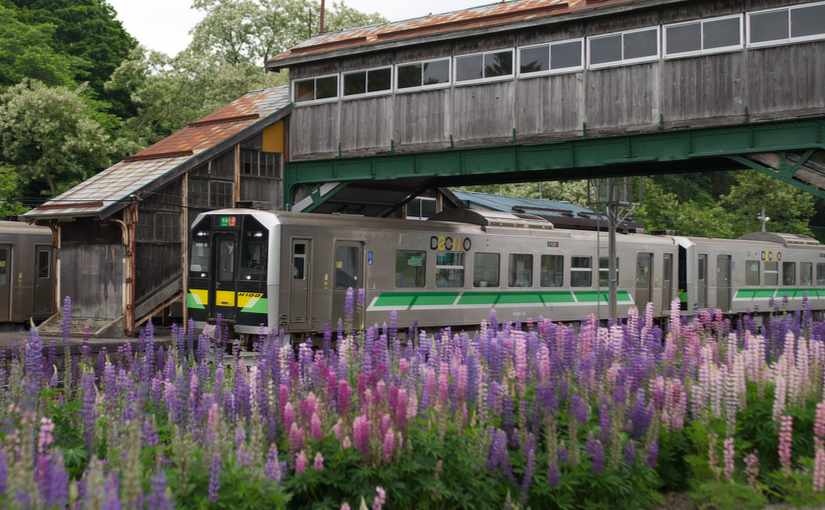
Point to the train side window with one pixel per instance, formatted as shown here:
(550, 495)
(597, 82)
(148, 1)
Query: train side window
(806, 270)
(552, 270)
(486, 269)
(449, 269)
(521, 270)
(820, 275)
(44, 263)
(771, 271)
(789, 273)
(752, 272)
(299, 255)
(604, 271)
(410, 268)
(4, 266)
(581, 271)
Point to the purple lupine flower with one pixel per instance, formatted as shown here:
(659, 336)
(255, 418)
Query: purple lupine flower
(214, 477)
(596, 452)
(529, 466)
(640, 416)
(499, 457)
(300, 462)
(579, 409)
(349, 305)
(273, 466)
(87, 384)
(652, 456)
(605, 423)
(553, 475)
(4, 472)
(33, 364)
(344, 397)
(111, 498)
(158, 500)
(629, 452)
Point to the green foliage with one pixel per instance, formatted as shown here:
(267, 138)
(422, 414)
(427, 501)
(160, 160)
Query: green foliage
(674, 448)
(727, 495)
(570, 191)
(50, 134)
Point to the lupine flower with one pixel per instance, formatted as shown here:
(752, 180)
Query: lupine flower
(214, 477)
(315, 427)
(652, 454)
(158, 498)
(819, 469)
(389, 445)
(785, 440)
(579, 409)
(752, 468)
(380, 498)
(728, 458)
(273, 466)
(629, 453)
(318, 463)
(4, 472)
(361, 434)
(300, 462)
(596, 452)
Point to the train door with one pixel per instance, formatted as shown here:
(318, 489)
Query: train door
(348, 269)
(5, 282)
(667, 280)
(222, 298)
(702, 281)
(300, 284)
(723, 283)
(43, 282)
(644, 279)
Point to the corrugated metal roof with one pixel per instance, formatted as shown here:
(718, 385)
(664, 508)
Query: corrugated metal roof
(485, 16)
(116, 184)
(509, 204)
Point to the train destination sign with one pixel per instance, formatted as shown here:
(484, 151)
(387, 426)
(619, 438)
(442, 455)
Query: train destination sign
(227, 221)
(449, 243)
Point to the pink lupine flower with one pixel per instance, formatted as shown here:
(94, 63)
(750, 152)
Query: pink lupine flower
(300, 462)
(403, 366)
(345, 506)
(544, 362)
(752, 468)
(819, 468)
(461, 382)
(338, 429)
(318, 464)
(521, 360)
(729, 458)
(819, 422)
(315, 427)
(296, 437)
(443, 382)
(361, 434)
(785, 441)
(389, 445)
(380, 498)
(346, 443)
(401, 403)
(46, 435)
(344, 396)
(288, 416)
(386, 423)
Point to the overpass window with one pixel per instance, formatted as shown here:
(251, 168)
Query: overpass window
(789, 273)
(703, 36)
(552, 270)
(315, 89)
(820, 275)
(771, 273)
(410, 268)
(631, 47)
(486, 269)
(752, 272)
(484, 66)
(557, 57)
(371, 81)
(449, 269)
(806, 270)
(787, 24)
(581, 272)
(423, 75)
(521, 270)
(604, 271)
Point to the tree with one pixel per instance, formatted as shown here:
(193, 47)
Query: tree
(26, 52)
(50, 136)
(568, 191)
(252, 31)
(790, 209)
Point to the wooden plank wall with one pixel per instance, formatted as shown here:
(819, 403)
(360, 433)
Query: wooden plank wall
(725, 89)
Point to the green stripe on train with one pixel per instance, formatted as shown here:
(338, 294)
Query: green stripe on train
(790, 293)
(260, 305)
(485, 299)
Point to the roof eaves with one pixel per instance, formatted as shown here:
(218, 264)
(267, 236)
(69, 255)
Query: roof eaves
(201, 157)
(276, 64)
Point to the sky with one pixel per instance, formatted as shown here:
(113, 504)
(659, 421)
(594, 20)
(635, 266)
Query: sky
(164, 25)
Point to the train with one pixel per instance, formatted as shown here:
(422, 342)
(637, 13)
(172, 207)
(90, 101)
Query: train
(263, 271)
(26, 273)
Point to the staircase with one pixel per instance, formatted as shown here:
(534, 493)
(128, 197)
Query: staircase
(802, 169)
(80, 327)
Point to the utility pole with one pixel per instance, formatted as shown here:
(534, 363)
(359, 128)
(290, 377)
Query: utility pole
(612, 221)
(322, 28)
(763, 219)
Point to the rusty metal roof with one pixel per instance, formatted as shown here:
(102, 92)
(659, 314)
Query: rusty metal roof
(111, 189)
(485, 16)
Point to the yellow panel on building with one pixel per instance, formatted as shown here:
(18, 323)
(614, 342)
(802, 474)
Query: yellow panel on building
(274, 138)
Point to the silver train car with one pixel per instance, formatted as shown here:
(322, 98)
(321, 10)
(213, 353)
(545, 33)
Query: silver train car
(26, 273)
(263, 270)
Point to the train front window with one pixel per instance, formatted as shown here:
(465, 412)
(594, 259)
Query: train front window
(789, 273)
(253, 258)
(752, 272)
(486, 270)
(771, 271)
(581, 272)
(410, 268)
(226, 260)
(806, 270)
(449, 270)
(521, 270)
(199, 259)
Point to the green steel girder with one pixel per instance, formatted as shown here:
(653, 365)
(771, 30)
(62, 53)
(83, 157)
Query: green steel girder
(592, 153)
(786, 171)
